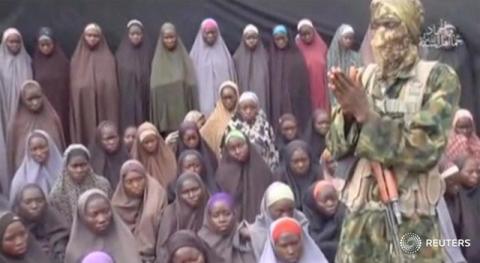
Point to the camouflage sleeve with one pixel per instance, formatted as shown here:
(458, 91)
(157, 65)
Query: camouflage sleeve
(419, 146)
(343, 136)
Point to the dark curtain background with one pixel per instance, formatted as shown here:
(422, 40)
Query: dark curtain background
(68, 18)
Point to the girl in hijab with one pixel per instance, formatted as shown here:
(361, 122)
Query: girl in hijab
(316, 131)
(18, 246)
(97, 226)
(157, 158)
(129, 137)
(288, 243)
(251, 120)
(108, 153)
(243, 174)
(325, 213)
(220, 230)
(34, 112)
(133, 57)
(51, 70)
(192, 116)
(44, 223)
(299, 170)
(217, 122)
(278, 201)
(186, 212)
(186, 246)
(139, 201)
(341, 53)
(288, 129)
(289, 81)
(77, 177)
(41, 165)
(212, 62)
(463, 138)
(15, 69)
(194, 161)
(314, 50)
(173, 88)
(93, 83)
(251, 62)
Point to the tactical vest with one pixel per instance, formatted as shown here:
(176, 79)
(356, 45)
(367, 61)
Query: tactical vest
(419, 192)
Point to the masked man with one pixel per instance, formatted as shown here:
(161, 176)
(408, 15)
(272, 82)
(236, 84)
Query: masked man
(396, 113)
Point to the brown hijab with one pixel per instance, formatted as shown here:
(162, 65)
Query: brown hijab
(52, 72)
(142, 216)
(25, 121)
(94, 89)
(162, 164)
(179, 215)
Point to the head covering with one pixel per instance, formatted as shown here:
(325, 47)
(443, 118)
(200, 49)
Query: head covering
(260, 134)
(65, 191)
(305, 22)
(315, 55)
(260, 228)
(50, 231)
(252, 68)
(179, 215)
(117, 241)
(324, 230)
(142, 216)
(299, 183)
(173, 86)
(97, 257)
(194, 116)
(249, 96)
(289, 82)
(161, 164)
(246, 182)
(311, 253)
(279, 30)
(217, 122)
(25, 121)
(209, 24)
(52, 72)
(208, 170)
(14, 71)
(104, 163)
(315, 140)
(94, 88)
(133, 70)
(282, 192)
(213, 65)
(458, 144)
(44, 175)
(187, 238)
(228, 246)
(34, 252)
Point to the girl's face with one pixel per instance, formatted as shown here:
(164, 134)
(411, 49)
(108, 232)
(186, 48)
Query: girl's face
(469, 175)
(134, 184)
(289, 129)
(282, 208)
(38, 147)
(229, 98)
(169, 39)
(92, 38)
(46, 46)
(32, 204)
(210, 36)
(322, 123)
(110, 139)
(300, 162)
(191, 139)
(347, 40)
(251, 40)
(129, 137)
(327, 201)
(191, 193)
(191, 163)
(248, 111)
(150, 144)
(14, 44)
(78, 168)
(280, 40)
(32, 98)
(135, 34)
(98, 215)
(464, 126)
(14, 240)
(289, 248)
(238, 149)
(306, 35)
(188, 255)
(221, 217)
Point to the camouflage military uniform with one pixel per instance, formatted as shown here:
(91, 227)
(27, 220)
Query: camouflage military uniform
(413, 148)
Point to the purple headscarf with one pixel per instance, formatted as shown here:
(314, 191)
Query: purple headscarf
(98, 257)
(220, 197)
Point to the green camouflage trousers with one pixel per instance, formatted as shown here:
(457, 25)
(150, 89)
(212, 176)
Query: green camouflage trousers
(364, 238)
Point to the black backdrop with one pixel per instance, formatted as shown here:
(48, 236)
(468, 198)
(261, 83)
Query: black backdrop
(68, 17)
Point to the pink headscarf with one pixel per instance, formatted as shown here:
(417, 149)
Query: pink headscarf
(459, 144)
